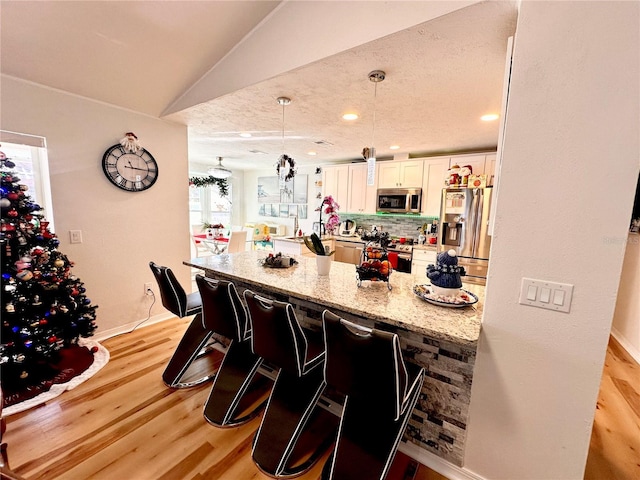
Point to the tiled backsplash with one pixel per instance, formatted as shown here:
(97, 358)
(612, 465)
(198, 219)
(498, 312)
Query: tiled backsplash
(396, 225)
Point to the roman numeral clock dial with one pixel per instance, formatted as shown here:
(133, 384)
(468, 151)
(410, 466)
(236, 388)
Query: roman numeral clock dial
(133, 171)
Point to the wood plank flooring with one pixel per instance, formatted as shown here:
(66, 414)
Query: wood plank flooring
(124, 423)
(614, 452)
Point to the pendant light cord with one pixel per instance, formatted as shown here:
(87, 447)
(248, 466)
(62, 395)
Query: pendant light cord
(283, 105)
(375, 96)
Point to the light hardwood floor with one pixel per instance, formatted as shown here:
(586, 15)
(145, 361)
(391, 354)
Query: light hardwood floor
(124, 423)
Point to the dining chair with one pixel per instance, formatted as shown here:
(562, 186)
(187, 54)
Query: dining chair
(197, 340)
(237, 241)
(237, 394)
(380, 389)
(295, 431)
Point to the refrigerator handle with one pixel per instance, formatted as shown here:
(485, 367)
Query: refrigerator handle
(478, 225)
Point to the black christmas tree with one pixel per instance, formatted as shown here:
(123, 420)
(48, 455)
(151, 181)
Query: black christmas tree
(44, 306)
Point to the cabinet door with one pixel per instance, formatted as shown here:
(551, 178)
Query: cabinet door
(410, 174)
(476, 161)
(388, 174)
(435, 171)
(490, 168)
(335, 182)
(362, 198)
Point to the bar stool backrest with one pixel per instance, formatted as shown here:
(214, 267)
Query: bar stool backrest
(276, 334)
(172, 294)
(222, 310)
(365, 364)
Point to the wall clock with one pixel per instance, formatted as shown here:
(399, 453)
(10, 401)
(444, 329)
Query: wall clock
(133, 170)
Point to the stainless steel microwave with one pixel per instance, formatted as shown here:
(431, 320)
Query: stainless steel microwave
(399, 200)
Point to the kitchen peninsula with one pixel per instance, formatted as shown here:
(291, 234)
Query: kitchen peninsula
(442, 340)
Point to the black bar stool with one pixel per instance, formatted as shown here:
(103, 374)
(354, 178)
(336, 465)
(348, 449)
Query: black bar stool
(381, 391)
(295, 430)
(194, 342)
(237, 394)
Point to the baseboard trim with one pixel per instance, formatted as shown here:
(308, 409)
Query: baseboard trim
(128, 327)
(624, 343)
(437, 464)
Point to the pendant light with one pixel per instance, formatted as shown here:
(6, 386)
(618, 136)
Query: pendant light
(369, 153)
(219, 171)
(285, 167)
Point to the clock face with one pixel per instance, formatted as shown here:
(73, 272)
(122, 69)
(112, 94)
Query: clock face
(131, 171)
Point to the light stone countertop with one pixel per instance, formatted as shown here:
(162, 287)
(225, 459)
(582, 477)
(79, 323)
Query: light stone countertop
(399, 306)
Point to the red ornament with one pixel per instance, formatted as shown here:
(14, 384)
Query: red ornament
(52, 339)
(12, 196)
(94, 349)
(8, 227)
(43, 321)
(12, 213)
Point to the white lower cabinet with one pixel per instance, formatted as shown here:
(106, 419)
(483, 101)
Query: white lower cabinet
(421, 259)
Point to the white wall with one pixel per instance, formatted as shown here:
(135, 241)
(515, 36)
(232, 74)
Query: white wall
(626, 320)
(570, 164)
(122, 231)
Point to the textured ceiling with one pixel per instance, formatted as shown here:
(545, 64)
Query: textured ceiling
(441, 77)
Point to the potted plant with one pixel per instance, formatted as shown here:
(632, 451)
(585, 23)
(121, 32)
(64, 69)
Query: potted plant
(323, 254)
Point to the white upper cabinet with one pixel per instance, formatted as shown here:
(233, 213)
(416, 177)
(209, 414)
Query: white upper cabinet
(362, 198)
(490, 168)
(335, 182)
(404, 174)
(477, 162)
(435, 172)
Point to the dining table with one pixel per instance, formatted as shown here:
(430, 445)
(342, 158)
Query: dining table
(215, 245)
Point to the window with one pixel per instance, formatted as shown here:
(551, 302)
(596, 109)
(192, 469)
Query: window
(206, 205)
(32, 167)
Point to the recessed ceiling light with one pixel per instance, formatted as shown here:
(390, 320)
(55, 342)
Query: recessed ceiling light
(258, 152)
(350, 116)
(245, 135)
(490, 117)
(394, 147)
(311, 153)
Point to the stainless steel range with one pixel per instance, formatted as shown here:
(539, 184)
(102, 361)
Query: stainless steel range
(405, 255)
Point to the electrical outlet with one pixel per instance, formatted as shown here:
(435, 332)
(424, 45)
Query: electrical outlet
(147, 287)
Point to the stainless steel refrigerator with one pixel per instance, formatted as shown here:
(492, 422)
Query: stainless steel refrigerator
(464, 225)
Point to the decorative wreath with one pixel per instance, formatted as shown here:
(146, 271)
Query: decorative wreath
(222, 183)
(282, 163)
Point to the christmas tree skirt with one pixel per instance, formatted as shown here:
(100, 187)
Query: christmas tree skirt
(75, 364)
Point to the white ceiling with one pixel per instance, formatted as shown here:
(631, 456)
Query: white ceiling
(441, 77)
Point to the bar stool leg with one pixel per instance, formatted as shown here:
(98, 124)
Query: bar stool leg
(191, 346)
(291, 405)
(233, 387)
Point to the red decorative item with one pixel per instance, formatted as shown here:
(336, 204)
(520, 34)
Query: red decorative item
(52, 339)
(94, 349)
(12, 213)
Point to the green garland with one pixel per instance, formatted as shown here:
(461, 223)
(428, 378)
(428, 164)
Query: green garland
(222, 183)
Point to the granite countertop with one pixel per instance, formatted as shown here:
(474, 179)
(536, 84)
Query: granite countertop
(399, 306)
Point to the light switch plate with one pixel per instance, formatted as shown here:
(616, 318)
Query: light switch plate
(549, 295)
(75, 236)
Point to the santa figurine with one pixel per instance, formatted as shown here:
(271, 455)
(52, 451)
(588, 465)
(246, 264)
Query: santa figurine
(453, 176)
(445, 275)
(464, 174)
